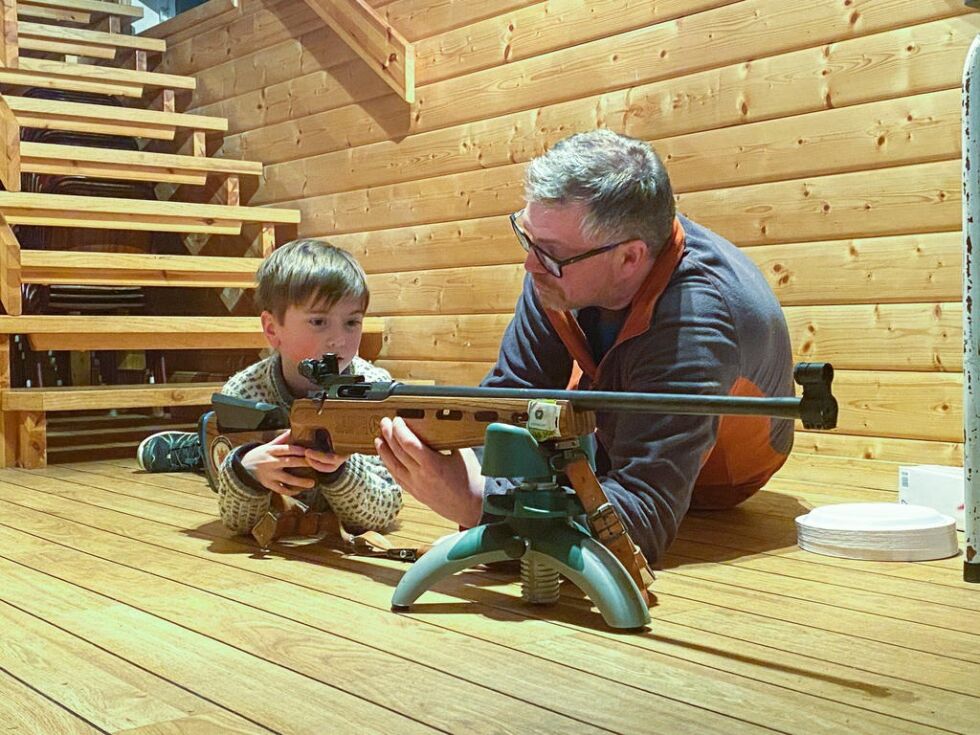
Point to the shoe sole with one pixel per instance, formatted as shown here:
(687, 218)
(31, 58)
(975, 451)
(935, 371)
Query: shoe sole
(139, 454)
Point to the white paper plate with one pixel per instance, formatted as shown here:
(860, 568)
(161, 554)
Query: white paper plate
(878, 531)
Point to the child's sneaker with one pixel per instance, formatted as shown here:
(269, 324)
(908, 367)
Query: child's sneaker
(170, 451)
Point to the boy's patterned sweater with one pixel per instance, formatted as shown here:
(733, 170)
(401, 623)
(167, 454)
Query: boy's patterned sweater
(362, 492)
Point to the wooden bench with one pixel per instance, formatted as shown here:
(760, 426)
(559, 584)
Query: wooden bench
(31, 112)
(25, 409)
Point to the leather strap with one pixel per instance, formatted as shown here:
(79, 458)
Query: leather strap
(607, 526)
(287, 517)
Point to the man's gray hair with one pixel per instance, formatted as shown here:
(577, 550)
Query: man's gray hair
(621, 181)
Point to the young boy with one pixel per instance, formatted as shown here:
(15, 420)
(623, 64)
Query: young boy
(312, 297)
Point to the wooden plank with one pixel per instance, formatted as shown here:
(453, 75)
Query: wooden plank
(706, 40)
(668, 654)
(879, 448)
(39, 400)
(25, 710)
(379, 44)
(419, 19)
(448, 291)
(9, 52)
(718, 691)
(342, 635)
(918, 337)
(870, 68)
(56, 14)
(909, 130)
(139, 332)
(29, 208)
(902, 405)
(539, 29)
(197, 20)
(107, 119)
(97, 7)
(270, 23)
(442, 372)
(898, 337)
(190, 659)
(10, 269)
(67, 49)
(290, 101)
(72, 267)
(42, 68)
(10, 140)
(899, 268)
(87, 37)
(899, 201)
(32, 443)
(47, 158)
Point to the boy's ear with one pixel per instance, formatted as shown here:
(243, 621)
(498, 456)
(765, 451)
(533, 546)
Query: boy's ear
(270, 328)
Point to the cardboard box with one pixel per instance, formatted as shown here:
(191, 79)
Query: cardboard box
(935, 486)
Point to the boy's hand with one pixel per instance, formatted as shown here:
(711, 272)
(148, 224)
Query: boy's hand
(268, 463)
(325, 462)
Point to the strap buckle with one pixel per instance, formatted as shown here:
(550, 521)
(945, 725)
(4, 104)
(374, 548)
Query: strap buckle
(605, 523)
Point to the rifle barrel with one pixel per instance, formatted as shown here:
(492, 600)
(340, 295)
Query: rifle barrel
(787, 408)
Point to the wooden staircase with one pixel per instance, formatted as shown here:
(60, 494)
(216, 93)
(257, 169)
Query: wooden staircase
(86, 46)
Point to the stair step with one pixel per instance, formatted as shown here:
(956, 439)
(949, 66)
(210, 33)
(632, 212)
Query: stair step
(107, 119)
(110, 163)
(61, 210)
(82, 41)
(108, 396)
(89, 78)
(95, 7)
(128, 269)
(50, 332)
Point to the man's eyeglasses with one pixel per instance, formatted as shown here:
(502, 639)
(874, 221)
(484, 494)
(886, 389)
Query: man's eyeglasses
(550, 263)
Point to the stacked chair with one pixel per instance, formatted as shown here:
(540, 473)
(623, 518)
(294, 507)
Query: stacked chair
(121, 239)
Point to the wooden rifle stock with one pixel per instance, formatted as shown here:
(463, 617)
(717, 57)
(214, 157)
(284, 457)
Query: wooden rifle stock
(346, 426)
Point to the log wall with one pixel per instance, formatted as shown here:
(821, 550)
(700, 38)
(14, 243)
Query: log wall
(823, 138)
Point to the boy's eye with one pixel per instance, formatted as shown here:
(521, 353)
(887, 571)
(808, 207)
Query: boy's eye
(317, 322)
(354, 323)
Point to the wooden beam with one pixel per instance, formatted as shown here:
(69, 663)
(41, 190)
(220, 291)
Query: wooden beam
(383, 48)
(9, 54)
(9, 269)
(10, 141)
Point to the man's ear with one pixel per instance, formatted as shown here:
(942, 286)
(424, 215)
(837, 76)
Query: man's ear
(634, 255)
(270, 328)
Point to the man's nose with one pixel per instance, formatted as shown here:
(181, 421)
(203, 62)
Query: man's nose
(532, 264)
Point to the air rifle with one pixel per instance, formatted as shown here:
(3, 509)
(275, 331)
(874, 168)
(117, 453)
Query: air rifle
(344, 416)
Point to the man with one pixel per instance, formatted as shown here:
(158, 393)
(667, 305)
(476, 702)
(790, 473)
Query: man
(622, 295)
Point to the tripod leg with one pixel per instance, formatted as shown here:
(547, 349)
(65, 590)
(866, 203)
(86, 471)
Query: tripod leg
(479, 545)
(597, 572)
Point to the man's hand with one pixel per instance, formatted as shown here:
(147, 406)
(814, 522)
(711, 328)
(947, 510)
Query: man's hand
(268, 463)
(450, 484)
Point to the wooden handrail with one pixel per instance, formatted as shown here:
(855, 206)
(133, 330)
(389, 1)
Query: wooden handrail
(373, 39)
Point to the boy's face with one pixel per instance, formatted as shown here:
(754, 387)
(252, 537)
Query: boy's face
(310, 331)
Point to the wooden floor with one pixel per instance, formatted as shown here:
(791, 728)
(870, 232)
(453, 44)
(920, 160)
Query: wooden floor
(125, 607)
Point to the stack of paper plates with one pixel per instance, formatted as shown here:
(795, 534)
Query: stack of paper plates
(878, 531)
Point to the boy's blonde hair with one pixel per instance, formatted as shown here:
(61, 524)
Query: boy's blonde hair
(307, 271)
